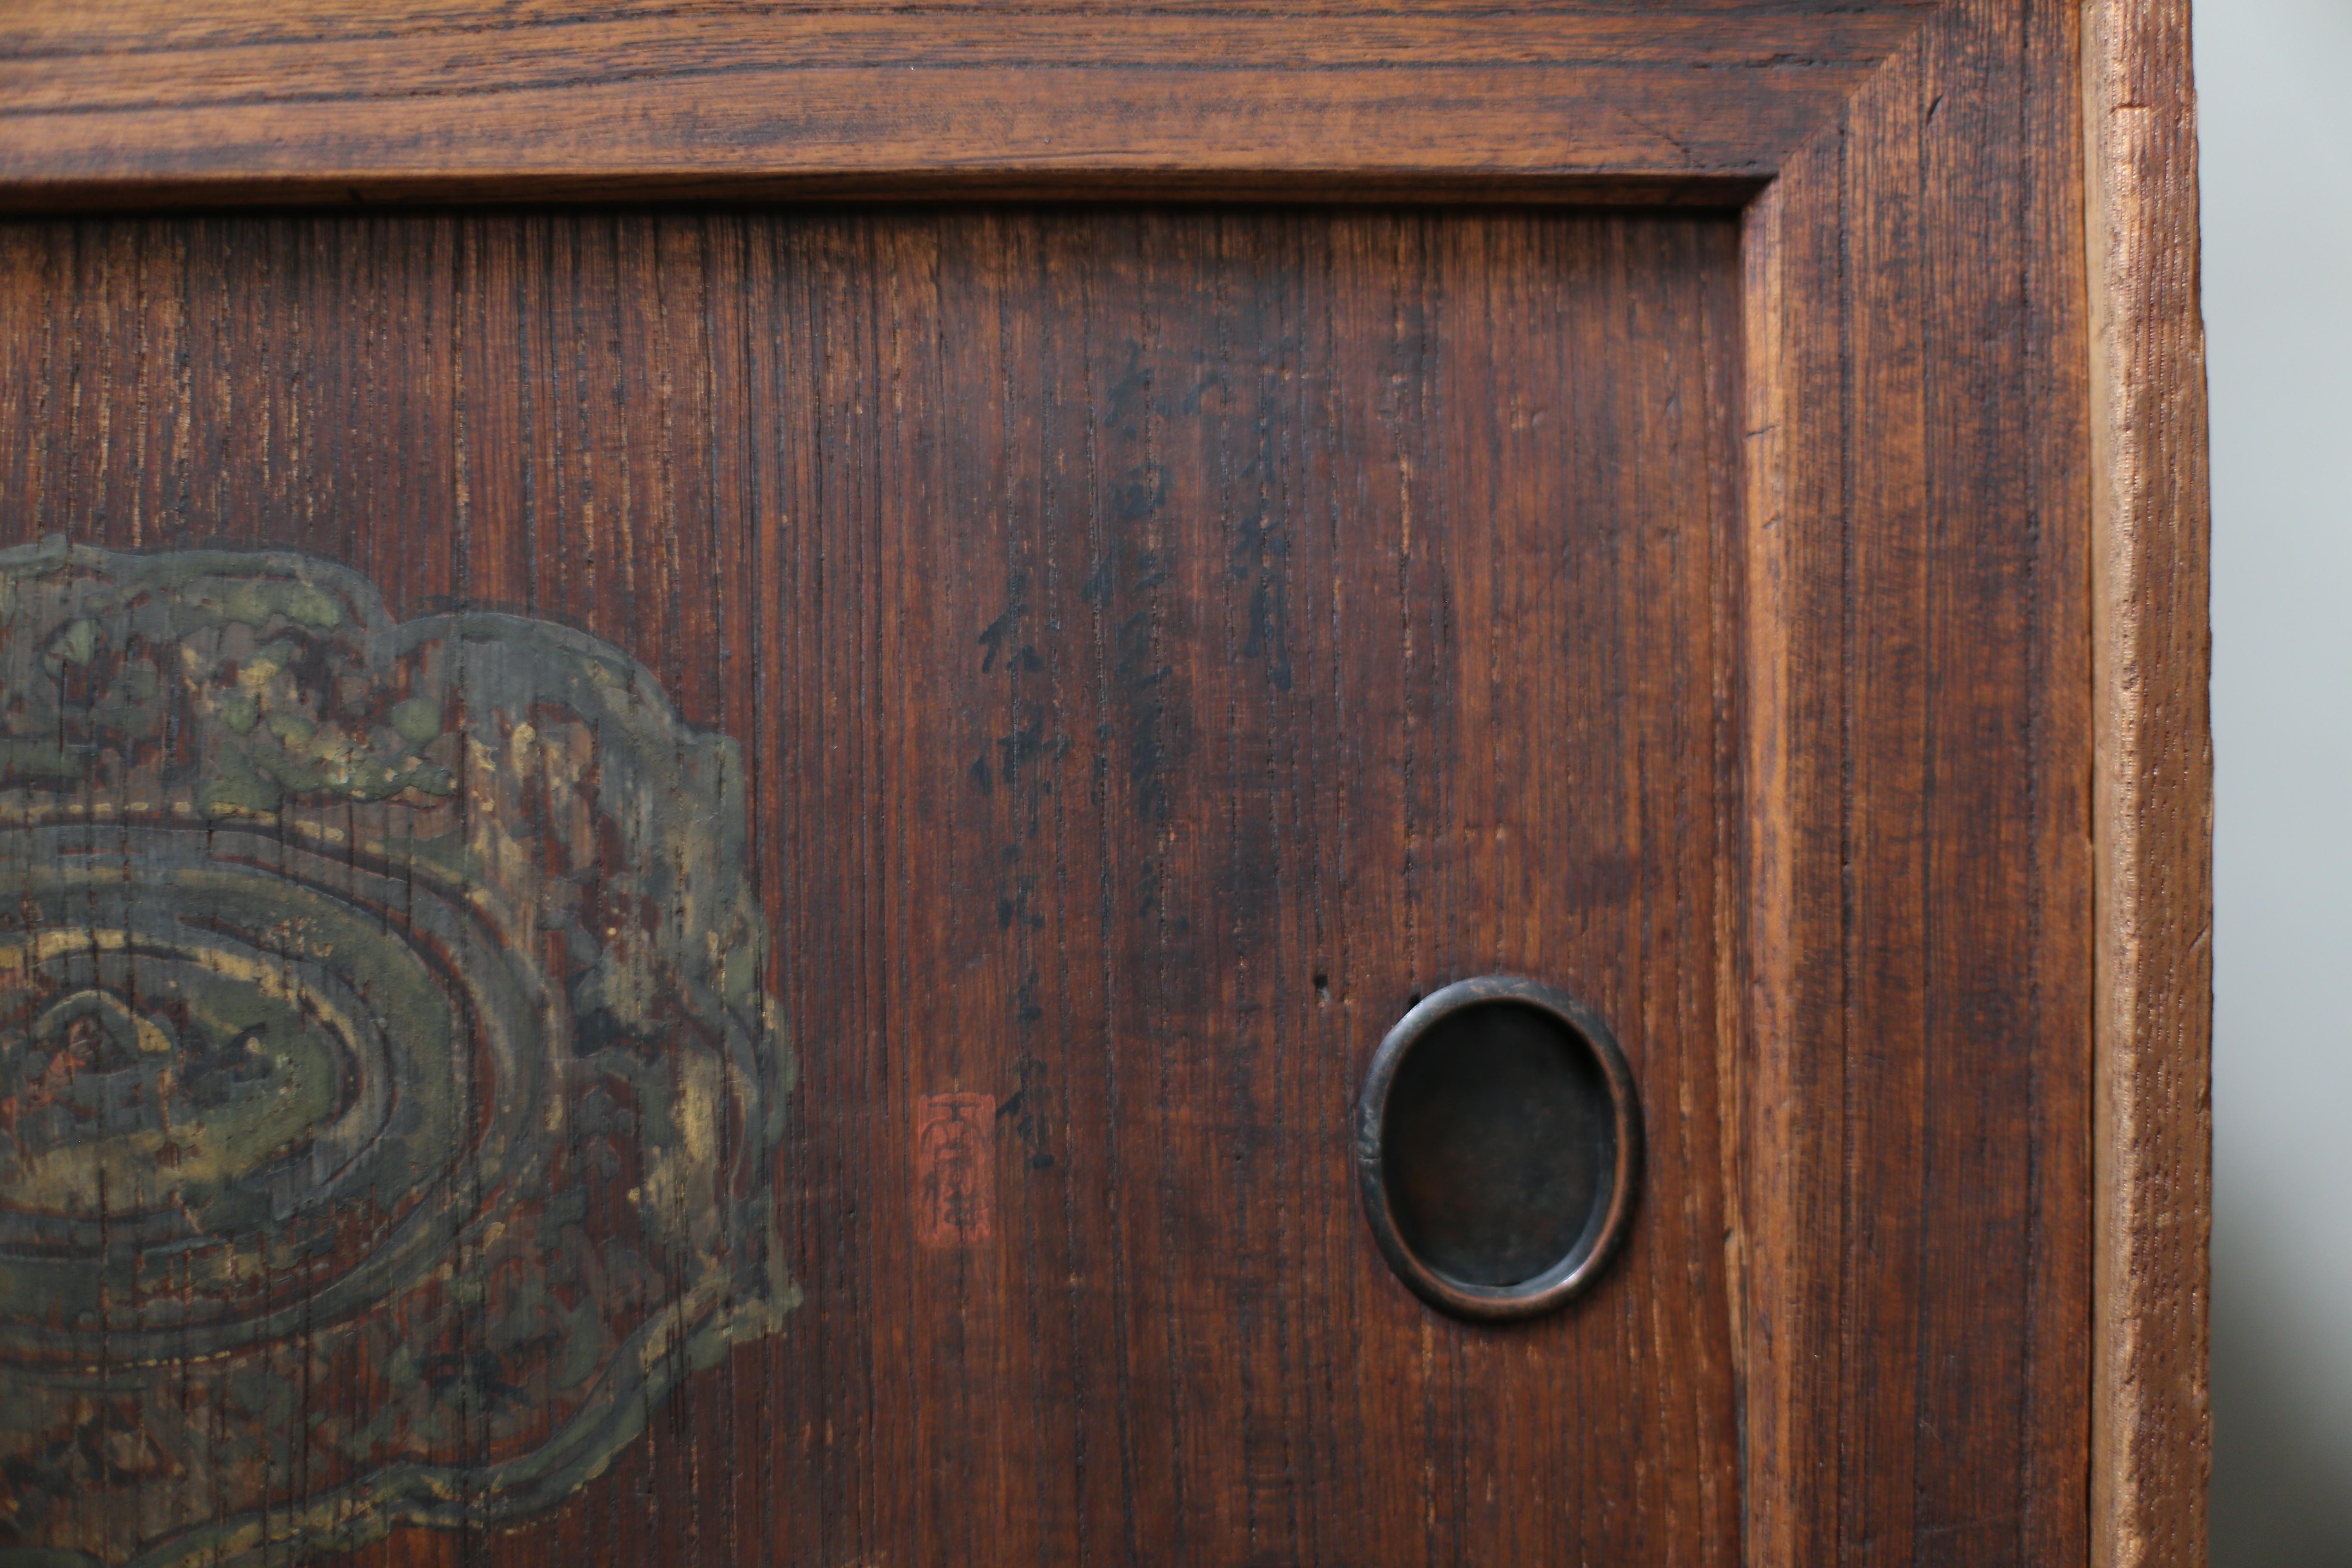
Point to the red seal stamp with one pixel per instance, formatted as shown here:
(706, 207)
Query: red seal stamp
(954, 1185)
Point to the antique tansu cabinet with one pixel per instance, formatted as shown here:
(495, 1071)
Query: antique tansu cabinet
(1034, 782)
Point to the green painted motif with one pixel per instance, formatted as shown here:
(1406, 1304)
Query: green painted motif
(382, 1010)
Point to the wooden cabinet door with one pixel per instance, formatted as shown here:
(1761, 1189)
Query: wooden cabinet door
(701, 873)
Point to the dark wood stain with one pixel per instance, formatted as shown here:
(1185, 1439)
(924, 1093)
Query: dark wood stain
(210, 101)
(1162, 643)
(1917, 673)
(1165, 643)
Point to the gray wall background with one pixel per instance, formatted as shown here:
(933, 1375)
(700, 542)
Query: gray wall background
(2275, 80)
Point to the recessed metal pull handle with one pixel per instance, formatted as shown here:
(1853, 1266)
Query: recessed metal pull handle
(1498, 1148)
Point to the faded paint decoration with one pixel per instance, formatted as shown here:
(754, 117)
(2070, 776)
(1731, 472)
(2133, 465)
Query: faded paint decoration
(382, 1009)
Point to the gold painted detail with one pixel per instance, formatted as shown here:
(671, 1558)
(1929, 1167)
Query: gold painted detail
(382, 1009)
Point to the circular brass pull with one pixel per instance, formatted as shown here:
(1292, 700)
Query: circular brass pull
(1498, 1148)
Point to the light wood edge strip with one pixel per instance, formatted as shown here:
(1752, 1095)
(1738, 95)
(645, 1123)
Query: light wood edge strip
(2153, 795)
(1789, 1162)
(1767, 1318)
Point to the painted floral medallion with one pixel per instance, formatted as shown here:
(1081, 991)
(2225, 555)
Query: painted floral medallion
(382, 1009)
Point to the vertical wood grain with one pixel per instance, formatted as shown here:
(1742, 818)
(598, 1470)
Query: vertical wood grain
(1163, 644)
(1916, 1106)
(2152, 1429)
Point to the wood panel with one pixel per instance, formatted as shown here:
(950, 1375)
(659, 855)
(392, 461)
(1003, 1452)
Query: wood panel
(1163, 645)
(1906, 989)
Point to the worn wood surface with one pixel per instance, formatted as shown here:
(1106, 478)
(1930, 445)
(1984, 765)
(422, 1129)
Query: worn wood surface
(2151, 1424)
(1901, 948)
(1917, 672)
(1162, 646)
(332, 102)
